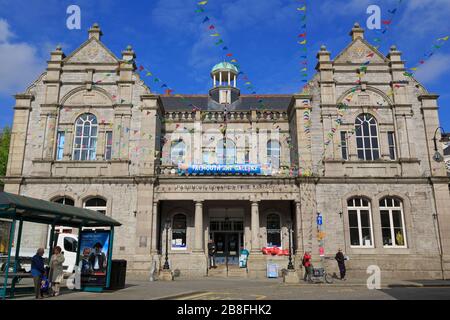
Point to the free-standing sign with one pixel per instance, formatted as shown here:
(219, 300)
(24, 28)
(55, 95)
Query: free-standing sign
(94, 252)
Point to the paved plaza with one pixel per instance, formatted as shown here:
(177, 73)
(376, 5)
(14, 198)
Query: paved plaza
(267, 289)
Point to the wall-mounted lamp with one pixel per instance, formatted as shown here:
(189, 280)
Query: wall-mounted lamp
(437, 156)
(340, 214)
(434, 216)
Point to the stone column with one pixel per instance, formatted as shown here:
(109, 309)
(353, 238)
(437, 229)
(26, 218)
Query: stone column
(255, 227)
(198, 243)
(154, 231)
(298, 228)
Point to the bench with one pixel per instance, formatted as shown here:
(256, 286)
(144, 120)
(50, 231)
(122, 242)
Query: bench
(16, 277)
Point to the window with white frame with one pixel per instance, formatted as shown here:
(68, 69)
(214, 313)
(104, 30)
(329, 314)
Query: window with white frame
(108, 145)
(179, 225)
(68, 202)
(367, 137)
(85, 140)
(360, 222)
(60, 140)
(392, 223)
(177, 152)
(273, 153)
(226, 152)
(273, 230)
(96, 204)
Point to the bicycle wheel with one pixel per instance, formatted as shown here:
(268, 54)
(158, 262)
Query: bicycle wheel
(328, 278)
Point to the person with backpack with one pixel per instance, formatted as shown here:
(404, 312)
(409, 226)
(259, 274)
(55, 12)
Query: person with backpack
(306, 262)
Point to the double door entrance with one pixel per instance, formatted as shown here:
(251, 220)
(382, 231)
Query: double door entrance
(228, 246)
(228, 236)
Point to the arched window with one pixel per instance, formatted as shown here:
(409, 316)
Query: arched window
(367, 137)
(96, 204)
(61, 229)
(179, 225)
(226, 152)
(177, 152)
(273, 230)
(85, 140)
(65, 200)
(273, 153)
(392, 222)
(360, 222)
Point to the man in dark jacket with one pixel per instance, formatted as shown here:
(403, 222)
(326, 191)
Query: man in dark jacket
(341, 263)
(212, 253)
(38, 271)
(97, 259)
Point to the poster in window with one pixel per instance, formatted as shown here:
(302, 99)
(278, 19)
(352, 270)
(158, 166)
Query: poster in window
(94, 250)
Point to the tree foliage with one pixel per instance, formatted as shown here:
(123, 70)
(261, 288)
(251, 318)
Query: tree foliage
(5, 137)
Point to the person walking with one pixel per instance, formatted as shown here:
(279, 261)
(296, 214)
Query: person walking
(306, 262)
(56, 274)
(38, 271)
(212, 254)
(341, 263)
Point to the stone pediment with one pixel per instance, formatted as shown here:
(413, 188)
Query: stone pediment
(87, 98)
(365, 98)
(358, 51)
(92, 51)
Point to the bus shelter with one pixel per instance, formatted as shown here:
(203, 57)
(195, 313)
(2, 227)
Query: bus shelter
(20, 209)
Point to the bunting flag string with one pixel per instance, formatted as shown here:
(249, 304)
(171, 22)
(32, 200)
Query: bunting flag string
(437, 44)
(386, 24)
(228, 55)
(302, 36)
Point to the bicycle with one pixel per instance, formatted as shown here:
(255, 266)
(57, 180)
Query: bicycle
(320, 275)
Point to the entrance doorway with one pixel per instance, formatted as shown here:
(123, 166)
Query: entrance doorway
(228, 236)
(227, 245)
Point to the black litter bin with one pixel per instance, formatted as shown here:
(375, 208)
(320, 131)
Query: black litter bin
(118, 274)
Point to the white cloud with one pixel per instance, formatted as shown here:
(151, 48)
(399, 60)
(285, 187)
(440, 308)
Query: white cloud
(434, 68)
(5, 33)
(425, 16)
(20, 62)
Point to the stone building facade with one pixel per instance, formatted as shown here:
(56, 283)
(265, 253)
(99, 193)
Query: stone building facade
(355, 147)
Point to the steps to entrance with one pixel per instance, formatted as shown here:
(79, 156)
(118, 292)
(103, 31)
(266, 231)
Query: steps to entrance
(236, 272)
(220, 271)
(231, 272)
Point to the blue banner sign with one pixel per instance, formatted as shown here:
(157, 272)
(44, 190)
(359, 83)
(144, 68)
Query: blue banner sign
(247, 169)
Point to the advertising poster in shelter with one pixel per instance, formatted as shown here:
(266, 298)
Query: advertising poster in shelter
(94, 250)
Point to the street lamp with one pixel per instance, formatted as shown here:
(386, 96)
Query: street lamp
(290, 265)
(166, 263)
(437, 156)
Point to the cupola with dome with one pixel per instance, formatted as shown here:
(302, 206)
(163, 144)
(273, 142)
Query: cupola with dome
(224, 75)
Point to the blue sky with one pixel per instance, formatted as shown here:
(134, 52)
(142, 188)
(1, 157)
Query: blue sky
(170, 39)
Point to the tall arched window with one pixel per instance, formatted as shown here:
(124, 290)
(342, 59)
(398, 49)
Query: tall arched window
(273, 153)
(367, 137)
(360, 222)
(177, 152)
(392, 222)
(85, 140)
(96, 204)
(226, 152)
(273, 230)
(179, 224)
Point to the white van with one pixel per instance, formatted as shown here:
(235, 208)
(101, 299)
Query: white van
(68, 243)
